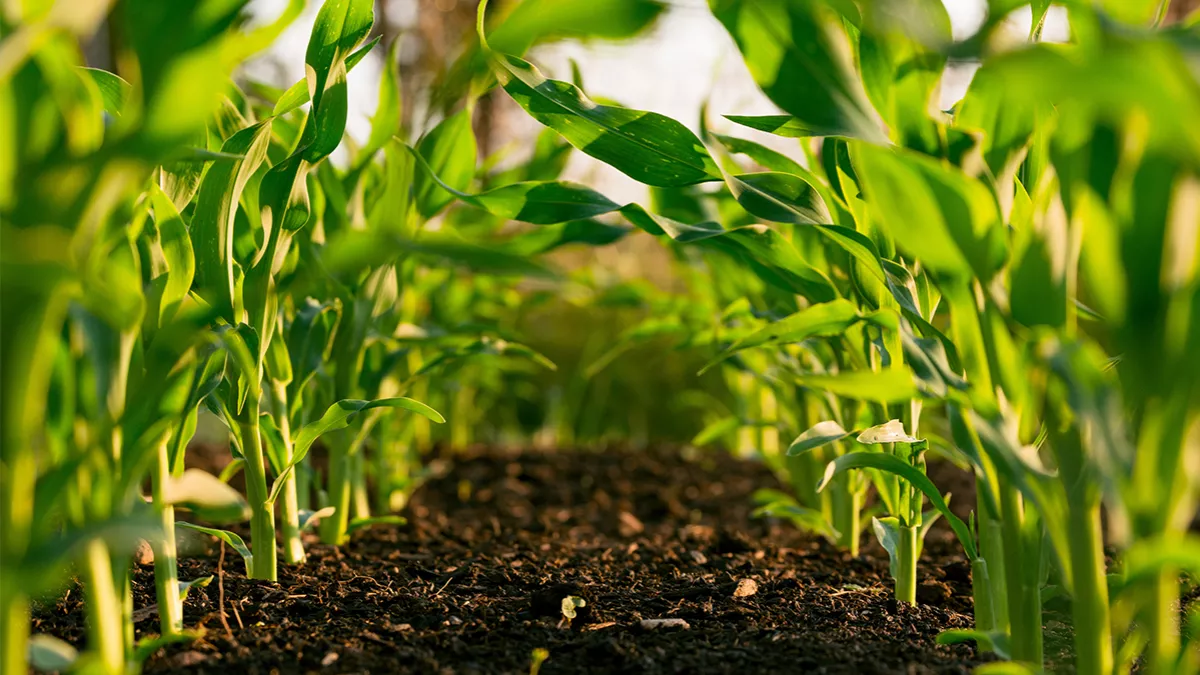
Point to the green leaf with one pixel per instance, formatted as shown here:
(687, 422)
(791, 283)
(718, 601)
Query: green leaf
(448, 151)
(177, 250)
(889, 385)
(991, 641)
(49, 654)
(826, 319)
(231, 538)
(779, 197)
(339, 416)
(648, 147)
(780, 125)
(147, 646)
(206, 496)
(887, 531)
(1148, 557)
(340, 27)
(776, 504)
(765, 157)
(891, 431)
(297, 94)
(800, 56)
(213, 221)
(114, 91)
(949, 221)
(715, 430)
(309, 519)
(186, 586)
(362, 523)
(821, 433)
(914, 476)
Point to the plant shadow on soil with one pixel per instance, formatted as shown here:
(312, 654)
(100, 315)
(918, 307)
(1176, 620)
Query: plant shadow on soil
(474, 583)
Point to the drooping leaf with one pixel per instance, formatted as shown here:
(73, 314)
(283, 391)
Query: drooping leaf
(911, 474)
(448, 150)
(890, 385)
(800, 56)
(891, 431)
(826, 319)
(821, 433)
(648, 147)
(206, 496)
(231, 538)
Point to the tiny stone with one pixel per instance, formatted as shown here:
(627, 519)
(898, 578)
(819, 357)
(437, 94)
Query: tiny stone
(454, 621)
(745, 588)
(698, 557)
(144, 555)
(188, 659)
(656, 624)
(630, 525)
(329, 659)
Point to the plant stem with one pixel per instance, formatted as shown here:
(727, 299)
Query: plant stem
(289, 507)
(166, 572)
(1022, 562)
(358, 482)
(991, 549)
(847, 514)
(906, 570)
(105, 625)
(1093, 632)
(333, 528)
(262, 513)
(981, 591)
(1161, 599)
(14, 634)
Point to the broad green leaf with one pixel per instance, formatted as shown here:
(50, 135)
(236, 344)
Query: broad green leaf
(716, 430)
(309, 519)
(206, 496)
(779, 197)
(233, 539)
(800, 56)
(297, 94)
(340, 27)
(947, 220)
(51, 655)
(355, 251)
(890, 385)
(891, 431)
(177, 250)
(448, 151)
(826, 319)
(765, 157)
(212, 223)
(362, 523)
(648, 147)
(821, 433)
(911, 474)
(992, 641)
(780, 125)
(339, 416)
(114, 91)
(198, 582)
(550, 237)
(149, 645)
(776, 504)
(386, 122)
(887, 531)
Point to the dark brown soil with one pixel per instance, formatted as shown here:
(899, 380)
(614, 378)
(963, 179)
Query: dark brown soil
(474, 584)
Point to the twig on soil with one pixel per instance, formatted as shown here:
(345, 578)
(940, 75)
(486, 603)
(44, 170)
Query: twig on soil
(221, 594)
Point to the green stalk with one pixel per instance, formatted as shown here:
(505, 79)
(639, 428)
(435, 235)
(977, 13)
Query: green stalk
(14, 633)
(333, 528)
(262, 513)
(1093, 633)
(289, 507)
(1160, 598)
(991, 549)
(105, 620)
(360, 496)
(847, 514)
(166, 572)
(906, 565)
(981, 596)
(1022, 563)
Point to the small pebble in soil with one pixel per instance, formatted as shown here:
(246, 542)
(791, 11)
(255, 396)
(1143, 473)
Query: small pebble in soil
(664, 624)
(630, 525)
(745, 588)
(329, 659)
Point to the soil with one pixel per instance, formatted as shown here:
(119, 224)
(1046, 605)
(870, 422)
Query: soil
(474, 583)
